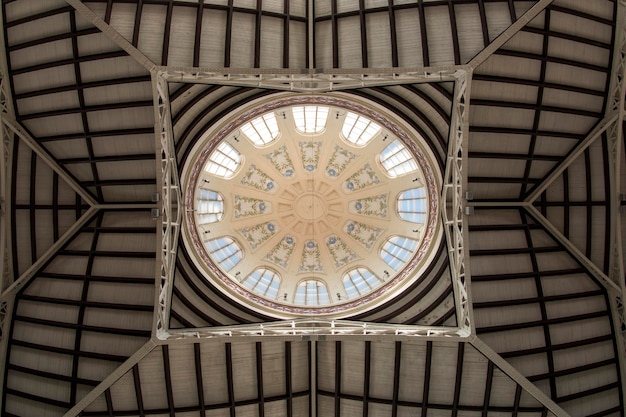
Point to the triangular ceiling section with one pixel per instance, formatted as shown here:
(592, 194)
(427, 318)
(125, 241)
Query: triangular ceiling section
(408, 35)
(274, 34)
(577, 203)
(44, 208)
(83, 98)
(537, 97)
(353, 377)
(214, 379)
(82, 315)
(537, 307)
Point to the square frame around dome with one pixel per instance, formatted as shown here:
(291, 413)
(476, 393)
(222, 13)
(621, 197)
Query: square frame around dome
(452, 211)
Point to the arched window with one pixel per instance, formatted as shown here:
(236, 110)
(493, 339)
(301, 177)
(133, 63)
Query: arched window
(209, 207)
(263, 282)
(397, 251)
(311, 292)
(412, 205)
(358, 130)
(223, 161)
(225, 252)
(261, 130)
(397, 160)
(359, 282)
(310, 119)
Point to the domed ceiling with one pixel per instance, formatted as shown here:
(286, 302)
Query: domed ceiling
(309, 205)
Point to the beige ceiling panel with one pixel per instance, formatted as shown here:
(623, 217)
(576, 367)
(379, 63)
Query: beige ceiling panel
(514, 340)
(469, 30)
(378, 37)
(517, 93)
(151, 31)
(123, 19)
(498, 18)
(409, 38)
(439, 33)
(22, 9)
(272, 35)
(503, 289)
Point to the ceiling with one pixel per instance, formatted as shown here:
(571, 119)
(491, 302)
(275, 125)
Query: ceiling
(540, 113)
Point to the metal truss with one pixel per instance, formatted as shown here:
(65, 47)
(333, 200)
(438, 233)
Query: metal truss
(313, 81)
(171, 215)
(452, 202)
(316, 328)
(617, 94)
(6, 150)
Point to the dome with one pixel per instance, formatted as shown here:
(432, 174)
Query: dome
(312, 205)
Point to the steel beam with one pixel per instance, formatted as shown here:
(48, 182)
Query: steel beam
(615, 135)
(16, 128)
(574, 251)
(505, 36)
(111, 379)
(516, 376)
(326, 328)
(171, 213)
(112, 34)
(453, 202)
(605, 124)
(47, 255)
(313, 80)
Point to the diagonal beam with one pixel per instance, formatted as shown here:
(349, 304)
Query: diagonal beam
(504, 37)
(112, 34)
(47, 255)
(574, 251)
(516, 376)
(49, 160)
(111, 379)
(604, 124)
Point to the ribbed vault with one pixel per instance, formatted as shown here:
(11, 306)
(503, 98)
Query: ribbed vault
(82, 163)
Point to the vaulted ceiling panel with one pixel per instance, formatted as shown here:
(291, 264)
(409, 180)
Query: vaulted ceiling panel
(244, 381)
(551, 303)
(399, 377)
(435, 33)
(554, 120)
(577, 203)
(90, 319)
(208, 33)
(45, 207)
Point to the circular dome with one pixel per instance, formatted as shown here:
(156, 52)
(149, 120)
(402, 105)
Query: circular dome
(311, 205)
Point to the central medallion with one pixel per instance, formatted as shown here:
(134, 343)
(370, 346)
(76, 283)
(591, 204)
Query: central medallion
(310, 207)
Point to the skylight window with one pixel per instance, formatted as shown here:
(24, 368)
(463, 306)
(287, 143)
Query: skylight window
(310, 119)
(397, 251)
(397, 160)
(311, 292)
(261, 130)
(210, 207)
(412, 205)
(225, 252)
(359, 282)
(223, 161)
(263, 282)
(359, 130)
